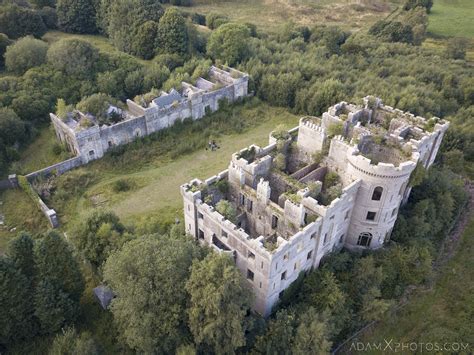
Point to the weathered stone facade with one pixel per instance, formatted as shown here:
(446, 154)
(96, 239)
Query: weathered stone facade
(288, 218)
(194, 102)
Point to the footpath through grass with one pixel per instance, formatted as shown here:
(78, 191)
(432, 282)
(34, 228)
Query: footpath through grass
(441, 315)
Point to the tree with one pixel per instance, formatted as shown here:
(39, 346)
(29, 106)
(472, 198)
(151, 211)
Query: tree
(98, 235)
(20, 251)
(54, 308)
(16, 22)
(59, 283)
(12, 129)
(149, 275)
(73, 57)
(214, 20)
(173, 35)
(50, 17)
(278, 338)
(319, 97)
(76, 16)
(4, 43)
(15, 299)
(411, 4)
(69, 342)
(219, 303)
(312, 334)
(229, 43)
(366, 280)
(226, 209)
(43, 3)
(144, 43)
(24, 54)
(97, 105)
(125, 19)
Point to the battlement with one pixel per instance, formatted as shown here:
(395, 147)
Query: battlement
(90, 137)
(292, 202)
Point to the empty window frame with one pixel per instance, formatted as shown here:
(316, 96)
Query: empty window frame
(274, 221)
(371, 216)
(364, 239)
(377, 194)
(250, 275)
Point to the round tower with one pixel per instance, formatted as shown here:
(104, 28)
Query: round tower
(378, 199)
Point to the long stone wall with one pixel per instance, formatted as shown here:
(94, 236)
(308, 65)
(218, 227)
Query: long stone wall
(58, 169)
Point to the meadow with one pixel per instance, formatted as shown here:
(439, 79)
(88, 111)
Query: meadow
(269, 15)
(452, 18)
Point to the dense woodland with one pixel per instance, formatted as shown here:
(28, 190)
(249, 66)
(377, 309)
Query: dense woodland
(174, 296)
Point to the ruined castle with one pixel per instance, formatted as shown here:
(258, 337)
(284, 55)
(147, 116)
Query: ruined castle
(332, 182)
(90, 141)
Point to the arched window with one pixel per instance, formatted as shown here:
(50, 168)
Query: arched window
(364, 239)
(377, 194)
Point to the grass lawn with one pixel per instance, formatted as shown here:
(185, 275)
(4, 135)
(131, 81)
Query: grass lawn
(443, 314)
(155, 191)
(269, 15)
(452, 18)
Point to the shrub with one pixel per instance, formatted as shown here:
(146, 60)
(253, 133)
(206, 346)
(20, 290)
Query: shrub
(121, 185)
(24, 54)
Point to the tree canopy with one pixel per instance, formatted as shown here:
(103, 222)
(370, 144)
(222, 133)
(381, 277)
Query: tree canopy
(148, 275)
(73, 57)
(229, 43)
(24, 54)
(77, 16)
(220, 299)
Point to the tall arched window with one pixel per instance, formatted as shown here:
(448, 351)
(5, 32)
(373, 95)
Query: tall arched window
(377, 194)
(364, 239)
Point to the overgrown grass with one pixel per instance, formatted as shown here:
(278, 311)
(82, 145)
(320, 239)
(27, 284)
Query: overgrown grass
(156, 166)
(443, 314)
(452, 18)
(269, 15)
(42, 152)
(21, 214)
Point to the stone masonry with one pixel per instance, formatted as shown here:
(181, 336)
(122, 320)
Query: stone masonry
(332, 182)
(191, 101)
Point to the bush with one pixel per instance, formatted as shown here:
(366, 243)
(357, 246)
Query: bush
(214, 20)
(121, 185)
(24, 54)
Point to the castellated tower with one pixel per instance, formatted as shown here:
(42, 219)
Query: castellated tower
(333, 182)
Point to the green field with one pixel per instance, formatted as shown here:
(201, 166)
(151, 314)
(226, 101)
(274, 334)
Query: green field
(453, 18)
(269, 15)
(441, 314)
(155, 184)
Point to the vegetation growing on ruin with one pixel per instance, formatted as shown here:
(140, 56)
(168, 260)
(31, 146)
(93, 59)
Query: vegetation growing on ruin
(296, 65)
